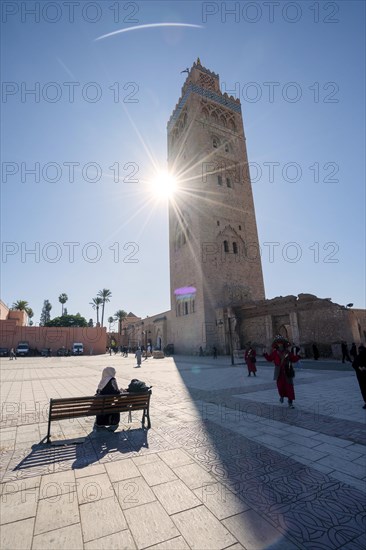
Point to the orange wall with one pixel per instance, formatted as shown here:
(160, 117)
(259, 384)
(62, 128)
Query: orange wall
(53, 337)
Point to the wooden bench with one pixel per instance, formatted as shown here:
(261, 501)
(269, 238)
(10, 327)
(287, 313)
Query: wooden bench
(74, 407)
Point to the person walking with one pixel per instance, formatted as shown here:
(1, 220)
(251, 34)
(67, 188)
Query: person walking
(359, 364)
(284, 372)
(138, 356)
(316, 353)
(214, 351)
(250, 357)
(108, 386)
(295, 351)
(12, 354)
(353, 351)
(345, 354)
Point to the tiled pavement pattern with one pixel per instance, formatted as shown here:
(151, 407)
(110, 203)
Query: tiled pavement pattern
(225, 466)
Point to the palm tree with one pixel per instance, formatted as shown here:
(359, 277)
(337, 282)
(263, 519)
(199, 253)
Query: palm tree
(96, 303)
(120, 315)
(63, 299)
(105, 295)
(110, 321)
(21, 305)
(30, 314)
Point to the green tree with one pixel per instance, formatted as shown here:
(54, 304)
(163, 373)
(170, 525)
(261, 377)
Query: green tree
(96, 303)
(20, 305)
(120, 315)
(105, 295)
(68, 321)
(30, 314)
(63, 299)
(110, 321)
(45, 315)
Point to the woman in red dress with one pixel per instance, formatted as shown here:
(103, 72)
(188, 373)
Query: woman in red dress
(250, 357)
(284, 373)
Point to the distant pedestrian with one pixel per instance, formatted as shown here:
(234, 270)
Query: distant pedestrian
(359, 364)
(12, 354)
(200, 352)
(250, 357)
(316, 353)
(295, 351)
(345, 354)
(214, 352)
(284, 372)
(353, 351)
(138, 356)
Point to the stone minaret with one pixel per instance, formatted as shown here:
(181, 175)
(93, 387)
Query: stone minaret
(213, 233)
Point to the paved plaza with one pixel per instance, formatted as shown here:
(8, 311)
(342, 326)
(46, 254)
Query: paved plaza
(224, 466)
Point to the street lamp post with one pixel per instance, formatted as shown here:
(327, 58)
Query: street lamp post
(231, 339)
(220, 322)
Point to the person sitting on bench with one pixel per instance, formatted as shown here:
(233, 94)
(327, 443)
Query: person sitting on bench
(108, 386)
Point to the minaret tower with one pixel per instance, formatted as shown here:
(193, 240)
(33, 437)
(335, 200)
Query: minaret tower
(214, 251)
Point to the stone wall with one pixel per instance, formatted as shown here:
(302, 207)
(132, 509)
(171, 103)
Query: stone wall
(94, 339)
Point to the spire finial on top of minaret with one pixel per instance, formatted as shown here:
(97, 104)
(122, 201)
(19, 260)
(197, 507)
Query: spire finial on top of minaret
(198, 61)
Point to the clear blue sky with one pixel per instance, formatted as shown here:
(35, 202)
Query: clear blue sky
(321, 51)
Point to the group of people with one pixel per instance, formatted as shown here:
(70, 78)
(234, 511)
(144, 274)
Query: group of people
(283, 355)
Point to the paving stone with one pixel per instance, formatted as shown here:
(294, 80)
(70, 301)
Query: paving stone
(357, 448)
(19, 505)
(343, 466)
(93, 488)
(92, 470)
(67, 537)
(101, 518)
(345, 453)
(20, 485)
(122, 469)
(301, 440)
(175, 496)
(254, 532)
(175, 458)
(174, 544)
(53, 485)
(118, 541)
(146, 459)
(156, 525)
(156, 472)
(220, 500)
(194, 476)
(202, 530)
(17, 536)
(133, 492)
(338, 442)
(349, 479)
(56, 513)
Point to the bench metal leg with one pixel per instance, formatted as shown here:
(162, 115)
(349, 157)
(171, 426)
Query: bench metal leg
(146, 415)
(48, 440)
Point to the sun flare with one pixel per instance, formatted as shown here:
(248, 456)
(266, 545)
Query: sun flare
(164, 185)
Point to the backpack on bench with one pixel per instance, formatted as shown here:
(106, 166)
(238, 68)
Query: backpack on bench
(137, 386)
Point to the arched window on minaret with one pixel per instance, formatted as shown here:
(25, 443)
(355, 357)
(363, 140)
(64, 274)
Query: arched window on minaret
(215, 143)
(219, 180)
(235, 248)
(226, 246)
(228, 182)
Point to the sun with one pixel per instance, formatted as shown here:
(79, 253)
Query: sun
(164, 185)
